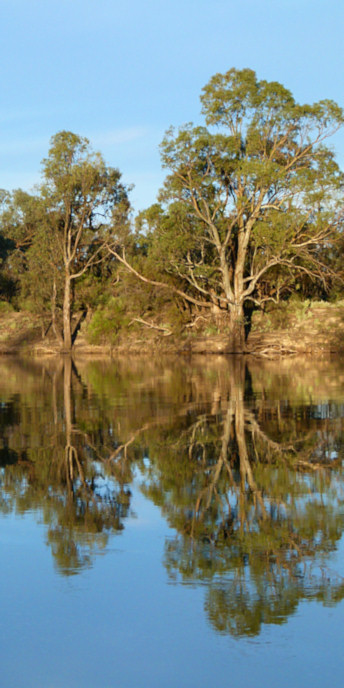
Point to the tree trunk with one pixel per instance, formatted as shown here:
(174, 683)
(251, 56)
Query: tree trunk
(53, 313)
(67, 314)
(237, 339)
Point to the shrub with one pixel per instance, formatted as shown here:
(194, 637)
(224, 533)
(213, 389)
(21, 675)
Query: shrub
(107, 322)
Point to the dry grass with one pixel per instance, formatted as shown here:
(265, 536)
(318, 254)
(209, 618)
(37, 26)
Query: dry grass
(308, 327)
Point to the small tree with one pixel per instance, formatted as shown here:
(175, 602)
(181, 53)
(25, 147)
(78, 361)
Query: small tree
(253, 196)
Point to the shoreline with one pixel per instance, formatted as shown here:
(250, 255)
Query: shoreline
(311, 328)
(260, 345)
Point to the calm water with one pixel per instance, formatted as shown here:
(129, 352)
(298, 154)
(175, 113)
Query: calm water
(172, 523)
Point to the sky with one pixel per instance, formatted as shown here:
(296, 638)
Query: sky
(121, 74)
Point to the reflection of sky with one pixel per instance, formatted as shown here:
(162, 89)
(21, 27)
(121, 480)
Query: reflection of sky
(121, 624)
(328, 410)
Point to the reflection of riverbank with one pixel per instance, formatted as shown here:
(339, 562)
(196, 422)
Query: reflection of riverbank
(299, 379)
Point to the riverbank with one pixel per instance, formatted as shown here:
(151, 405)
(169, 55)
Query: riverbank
(293, 328)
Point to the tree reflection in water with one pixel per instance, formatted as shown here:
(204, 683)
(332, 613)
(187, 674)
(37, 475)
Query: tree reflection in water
(245, 466)
(60, 471)
(256, 518)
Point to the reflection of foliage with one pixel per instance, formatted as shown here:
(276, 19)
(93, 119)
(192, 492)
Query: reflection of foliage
(256, 518)
(250, 481)
(240, 609)
(80, 515)
(81, 526)
(60, 474)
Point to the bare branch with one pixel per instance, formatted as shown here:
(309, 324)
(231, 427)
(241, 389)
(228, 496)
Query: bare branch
(155, 283)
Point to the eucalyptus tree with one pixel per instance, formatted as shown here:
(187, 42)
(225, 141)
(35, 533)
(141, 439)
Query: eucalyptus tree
(81, 194)
(250, 197)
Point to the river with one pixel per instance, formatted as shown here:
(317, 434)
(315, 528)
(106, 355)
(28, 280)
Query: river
(172, 522)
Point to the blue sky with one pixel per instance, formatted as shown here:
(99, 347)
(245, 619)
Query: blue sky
(122, 74)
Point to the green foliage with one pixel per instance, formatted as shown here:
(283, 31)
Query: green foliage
(107, 322)
(5, 307)
(57, 237)
(250, 212)
(252, 197)
(77, 181)
(84, 199)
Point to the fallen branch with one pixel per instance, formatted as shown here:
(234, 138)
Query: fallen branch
(166, 331)
(193, 323)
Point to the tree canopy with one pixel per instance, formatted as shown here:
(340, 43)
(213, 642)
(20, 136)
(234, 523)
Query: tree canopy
(251, 196)
(81, 195)
(59, 233)
(250, 211)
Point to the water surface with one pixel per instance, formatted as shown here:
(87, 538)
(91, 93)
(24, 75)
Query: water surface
(173, 523)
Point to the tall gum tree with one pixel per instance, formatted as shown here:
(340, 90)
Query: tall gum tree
(252, 195)
(82, 196)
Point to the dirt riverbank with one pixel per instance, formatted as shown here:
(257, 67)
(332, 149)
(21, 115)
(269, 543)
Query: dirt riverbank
(308, 328)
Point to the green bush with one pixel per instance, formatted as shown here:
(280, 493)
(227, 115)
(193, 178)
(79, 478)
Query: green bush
(5, 308)
(107, 322)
